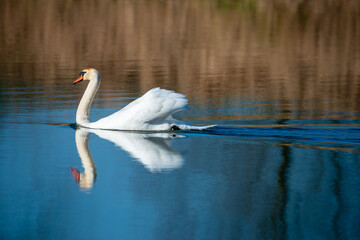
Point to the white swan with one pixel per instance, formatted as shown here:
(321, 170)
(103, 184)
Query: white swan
(153, 150)
(151, 112)
(87, 178)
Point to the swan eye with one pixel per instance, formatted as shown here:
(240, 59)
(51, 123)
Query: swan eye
(82, 73)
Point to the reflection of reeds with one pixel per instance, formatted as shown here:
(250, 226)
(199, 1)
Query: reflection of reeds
(287, 50)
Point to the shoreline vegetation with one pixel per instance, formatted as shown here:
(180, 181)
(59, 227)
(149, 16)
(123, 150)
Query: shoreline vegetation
(296, 52)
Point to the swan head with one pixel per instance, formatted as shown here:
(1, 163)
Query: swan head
(88, 74)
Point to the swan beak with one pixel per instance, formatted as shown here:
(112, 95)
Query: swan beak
(75, 173)
(79, 79)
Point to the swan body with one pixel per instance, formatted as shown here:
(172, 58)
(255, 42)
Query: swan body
(153, 150)
(151, 112)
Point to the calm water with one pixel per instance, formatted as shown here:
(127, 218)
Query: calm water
(280, 78)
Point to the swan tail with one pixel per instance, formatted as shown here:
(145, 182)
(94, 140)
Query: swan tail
(195, 128)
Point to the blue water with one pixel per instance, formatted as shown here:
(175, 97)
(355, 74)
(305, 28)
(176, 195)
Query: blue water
(279, 78)
(225, 183)
(244, 179)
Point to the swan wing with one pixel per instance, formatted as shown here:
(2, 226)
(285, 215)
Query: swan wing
(154, 106)
(149, 149)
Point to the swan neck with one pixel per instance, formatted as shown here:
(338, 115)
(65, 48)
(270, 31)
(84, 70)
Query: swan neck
(82, 144)
(83, 111)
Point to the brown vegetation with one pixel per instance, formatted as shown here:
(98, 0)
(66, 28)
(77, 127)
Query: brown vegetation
(295, 52)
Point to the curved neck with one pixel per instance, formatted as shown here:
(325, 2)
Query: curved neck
(82, 144)
(83, 111)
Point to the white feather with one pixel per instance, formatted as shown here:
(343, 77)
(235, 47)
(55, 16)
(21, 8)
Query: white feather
(151, 112)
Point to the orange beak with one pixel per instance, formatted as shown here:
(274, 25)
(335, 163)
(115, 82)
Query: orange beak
(75, 173)
(79, 79)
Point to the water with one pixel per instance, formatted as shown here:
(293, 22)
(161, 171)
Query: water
(281, 79)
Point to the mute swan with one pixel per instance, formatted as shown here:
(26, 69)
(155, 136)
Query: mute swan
(151, 112)
(153, 150)
(87, 178)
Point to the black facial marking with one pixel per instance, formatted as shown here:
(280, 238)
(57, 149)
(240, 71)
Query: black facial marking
(82, 73)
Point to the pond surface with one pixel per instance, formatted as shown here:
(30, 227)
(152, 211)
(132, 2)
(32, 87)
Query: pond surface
(280, 78)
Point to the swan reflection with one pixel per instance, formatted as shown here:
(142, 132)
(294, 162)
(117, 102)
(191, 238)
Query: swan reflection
(153, 150)
(87, 178)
